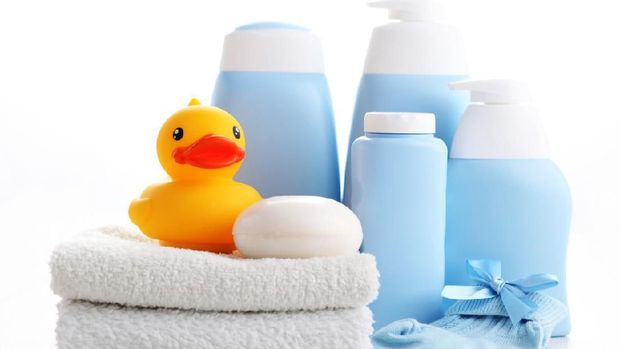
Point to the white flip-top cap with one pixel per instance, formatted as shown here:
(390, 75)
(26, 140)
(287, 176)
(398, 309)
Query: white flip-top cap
(411, 10)
(406, 123)
(501, 123)
(272, 47)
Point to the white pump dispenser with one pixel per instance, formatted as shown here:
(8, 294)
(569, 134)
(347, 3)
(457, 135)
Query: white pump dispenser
(418, 43)
(501, 123)
(411, 10)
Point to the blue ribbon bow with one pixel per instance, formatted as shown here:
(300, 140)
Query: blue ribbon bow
(487, 274)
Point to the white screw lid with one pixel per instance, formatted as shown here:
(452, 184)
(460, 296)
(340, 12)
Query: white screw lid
(272, 47)
(397, 122)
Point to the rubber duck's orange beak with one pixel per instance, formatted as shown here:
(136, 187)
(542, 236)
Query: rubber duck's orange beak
(209, 152)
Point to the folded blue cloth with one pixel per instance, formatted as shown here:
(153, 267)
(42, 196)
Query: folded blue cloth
(477, 324)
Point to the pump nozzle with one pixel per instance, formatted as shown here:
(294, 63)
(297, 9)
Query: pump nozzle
(411, 10)
(502, 125)
(498, 91)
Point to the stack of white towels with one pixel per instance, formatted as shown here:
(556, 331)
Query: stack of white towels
(122, 290)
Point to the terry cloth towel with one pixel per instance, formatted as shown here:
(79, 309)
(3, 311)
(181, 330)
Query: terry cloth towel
(83, 325)
(120, 265)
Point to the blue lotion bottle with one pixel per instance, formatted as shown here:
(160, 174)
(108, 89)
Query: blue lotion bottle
(409, 63)
(272, 81)
(398, 175)
(506, 199)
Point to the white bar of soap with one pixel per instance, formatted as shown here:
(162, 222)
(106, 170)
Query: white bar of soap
(297, 227)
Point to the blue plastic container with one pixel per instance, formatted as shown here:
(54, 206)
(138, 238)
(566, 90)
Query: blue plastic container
(398, 192)
(272, 81)
(514, 211)
(506, 199)
(408, 93)
(411, 93)
(408, 66)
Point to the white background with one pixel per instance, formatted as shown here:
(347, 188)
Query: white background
(85, 86)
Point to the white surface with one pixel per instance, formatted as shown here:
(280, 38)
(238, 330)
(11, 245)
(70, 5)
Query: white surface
(413, 123)
(85, 326)
(85, 87)
(120, 265)
(300, 227)
(272, 50)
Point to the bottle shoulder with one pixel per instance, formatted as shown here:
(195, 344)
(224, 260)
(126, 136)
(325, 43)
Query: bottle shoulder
(497, 170)
(513, 180)
(398, 139)
(548, 164)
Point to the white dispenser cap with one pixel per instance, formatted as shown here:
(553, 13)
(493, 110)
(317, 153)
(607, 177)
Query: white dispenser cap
(406, 123)
(272, 47)
(411, 10)
(496, 91)
(501, 123)
(417, 44)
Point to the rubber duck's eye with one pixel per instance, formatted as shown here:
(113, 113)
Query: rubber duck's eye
(177, 134)
(236, 132)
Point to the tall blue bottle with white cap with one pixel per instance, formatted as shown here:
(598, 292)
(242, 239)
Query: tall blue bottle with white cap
(272, 81)
(398, 175)
(506, 199)
(409, 64)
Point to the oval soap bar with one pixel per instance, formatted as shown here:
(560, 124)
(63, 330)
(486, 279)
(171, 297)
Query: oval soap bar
(297, 227)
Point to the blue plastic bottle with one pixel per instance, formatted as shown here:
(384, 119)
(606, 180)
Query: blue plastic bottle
(272, 81)
(408, 67)
(506, 199)
(398, 174)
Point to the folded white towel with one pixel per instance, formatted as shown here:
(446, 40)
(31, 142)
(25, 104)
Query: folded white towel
(120, 265)
(85, 325)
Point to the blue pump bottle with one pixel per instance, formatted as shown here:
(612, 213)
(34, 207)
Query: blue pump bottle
(506, 199)
(272, 81)
(409, 64)
(398, 172)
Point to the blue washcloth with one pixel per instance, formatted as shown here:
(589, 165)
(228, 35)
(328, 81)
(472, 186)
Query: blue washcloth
(477, 324)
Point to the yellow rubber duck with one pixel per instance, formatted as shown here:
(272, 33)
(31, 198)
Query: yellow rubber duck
(201, 148)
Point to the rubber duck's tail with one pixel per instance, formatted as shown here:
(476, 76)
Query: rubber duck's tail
(139, 211)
